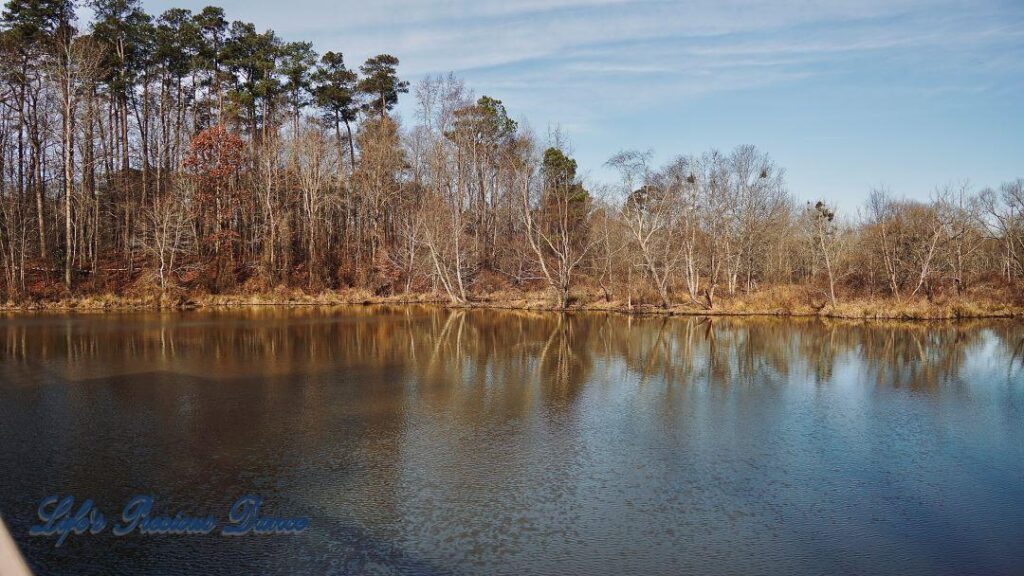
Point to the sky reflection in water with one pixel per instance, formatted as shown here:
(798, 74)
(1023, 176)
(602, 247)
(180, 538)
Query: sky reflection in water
(425, 441)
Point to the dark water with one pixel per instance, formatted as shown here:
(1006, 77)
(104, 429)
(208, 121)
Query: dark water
(420, 441)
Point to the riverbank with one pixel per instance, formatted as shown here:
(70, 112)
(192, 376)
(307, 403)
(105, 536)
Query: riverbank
(773, 302)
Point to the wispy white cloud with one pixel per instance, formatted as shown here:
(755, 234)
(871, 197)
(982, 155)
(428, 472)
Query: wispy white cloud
(590, 40)
(603, 68)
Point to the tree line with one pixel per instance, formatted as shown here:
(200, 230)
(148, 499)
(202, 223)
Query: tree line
(186, 153)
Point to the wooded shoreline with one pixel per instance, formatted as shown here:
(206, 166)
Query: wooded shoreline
(147, 160)
(778, 304)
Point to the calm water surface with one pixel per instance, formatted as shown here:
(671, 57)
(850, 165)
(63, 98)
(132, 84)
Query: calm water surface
(423, 441)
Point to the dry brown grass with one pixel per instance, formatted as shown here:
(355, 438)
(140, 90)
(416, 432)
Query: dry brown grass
(777, 301)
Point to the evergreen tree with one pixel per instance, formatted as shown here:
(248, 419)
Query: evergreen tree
(336, 96)
(296, 67)
(34, 22)
(213, 30)
(381, 84)
(252, 59)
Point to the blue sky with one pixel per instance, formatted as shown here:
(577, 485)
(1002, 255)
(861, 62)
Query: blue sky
(846, 95)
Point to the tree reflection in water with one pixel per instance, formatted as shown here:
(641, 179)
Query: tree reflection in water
(469, 348)
(425, 440)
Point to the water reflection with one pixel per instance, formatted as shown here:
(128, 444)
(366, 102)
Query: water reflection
(428, 441)
(473, 347)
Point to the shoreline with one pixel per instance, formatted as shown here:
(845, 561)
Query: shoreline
(765, 305)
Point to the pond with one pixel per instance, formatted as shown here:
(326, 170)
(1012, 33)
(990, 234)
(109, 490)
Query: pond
(419, 440)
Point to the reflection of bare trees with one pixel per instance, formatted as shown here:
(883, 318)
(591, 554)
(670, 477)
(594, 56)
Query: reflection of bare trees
(1010, 343)
(917, 357)
(1018, 354)
(563, 364)
(486, 359)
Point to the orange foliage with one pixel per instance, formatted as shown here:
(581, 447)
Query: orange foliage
(214, 157)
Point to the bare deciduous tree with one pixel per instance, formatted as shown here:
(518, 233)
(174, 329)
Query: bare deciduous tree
(555, 213)
(827, 239)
